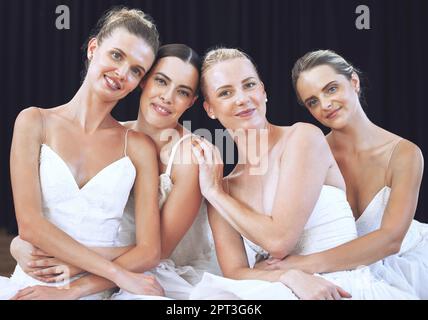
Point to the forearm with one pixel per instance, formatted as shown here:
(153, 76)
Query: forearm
(257, 227)
(255, 274)
(362, 251)
(51, 239)
(133, 260)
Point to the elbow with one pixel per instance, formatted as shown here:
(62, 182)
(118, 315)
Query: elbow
(150, 258)
(394, 247)
(26, 231)
(278, 248)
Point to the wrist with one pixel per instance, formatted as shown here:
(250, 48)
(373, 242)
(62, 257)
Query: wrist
(214, 193)
(289, 277)
(76, 292)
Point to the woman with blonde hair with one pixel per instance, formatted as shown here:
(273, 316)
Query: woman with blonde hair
(285, 196)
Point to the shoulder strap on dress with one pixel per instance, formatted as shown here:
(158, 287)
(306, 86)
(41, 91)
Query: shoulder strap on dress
(396, 143)
(43, 125)
(173, 152)
(126, 142)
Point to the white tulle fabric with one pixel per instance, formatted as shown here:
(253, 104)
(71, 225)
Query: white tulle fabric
(194, 254)
(330, 224)
(91, 215)
(408, 269)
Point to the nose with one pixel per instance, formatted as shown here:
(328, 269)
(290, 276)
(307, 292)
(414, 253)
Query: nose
(241, 98)
(325, 103)
(166, 95)
(122, 71)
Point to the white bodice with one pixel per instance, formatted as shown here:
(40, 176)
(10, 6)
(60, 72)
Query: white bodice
(371, 220)
(92, 214)
(330, 224)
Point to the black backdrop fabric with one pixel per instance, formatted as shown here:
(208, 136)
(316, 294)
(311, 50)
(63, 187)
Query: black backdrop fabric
(41, 65)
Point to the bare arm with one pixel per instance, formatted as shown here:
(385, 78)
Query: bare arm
(233, 261)
(182, 206)
(406, 174)
(303, 170)
(33, 227)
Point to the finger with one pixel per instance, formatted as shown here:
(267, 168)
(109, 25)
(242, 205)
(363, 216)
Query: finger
(22, 293)
(272, 260)
(30, 296)
(50, 262)
(217, 156)
(335, 294)
(49, 271)
(343, 293)
(198, 155)
(40, 253)
(207, 151)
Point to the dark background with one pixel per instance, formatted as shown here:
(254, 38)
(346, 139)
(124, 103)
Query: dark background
(41, 66)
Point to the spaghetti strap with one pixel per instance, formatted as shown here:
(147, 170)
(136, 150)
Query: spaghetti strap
(126, 142)
(173, 152)
(43, 126)
(390, 157)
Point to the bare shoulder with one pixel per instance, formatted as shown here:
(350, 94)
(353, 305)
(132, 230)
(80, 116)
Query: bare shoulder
(29, 121)
(406, 154)
(302, 130)
(305, 135)
(140, 146)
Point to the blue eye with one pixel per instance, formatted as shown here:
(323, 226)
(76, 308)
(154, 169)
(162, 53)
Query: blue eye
(312, 103)
(332, 89)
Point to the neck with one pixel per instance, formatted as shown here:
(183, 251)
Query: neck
(160, 136)
(254, 145)
(358, 134)
(89, 111)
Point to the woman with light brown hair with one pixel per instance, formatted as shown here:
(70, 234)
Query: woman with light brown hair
(382, 172)
(73, 167)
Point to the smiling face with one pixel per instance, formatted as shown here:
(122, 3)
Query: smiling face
(117, 64)
(330, 97)
(169, 90)
(235, 94)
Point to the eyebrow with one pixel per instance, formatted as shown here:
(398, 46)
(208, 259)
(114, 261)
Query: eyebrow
(229, 86)
(325, 87)
(169, 79)
(124, 54)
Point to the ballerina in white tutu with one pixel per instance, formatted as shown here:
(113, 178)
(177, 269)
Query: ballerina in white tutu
(382, 172)
(285, 196)
(169, 90)
(73, 167)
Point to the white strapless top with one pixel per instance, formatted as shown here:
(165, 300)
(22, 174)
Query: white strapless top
(330, 224)
(371, 220)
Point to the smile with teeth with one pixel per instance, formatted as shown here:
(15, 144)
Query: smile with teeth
(112, 84)
(161, 110)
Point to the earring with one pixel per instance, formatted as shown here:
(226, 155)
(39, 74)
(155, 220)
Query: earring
(212, 117)
(266, 100)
